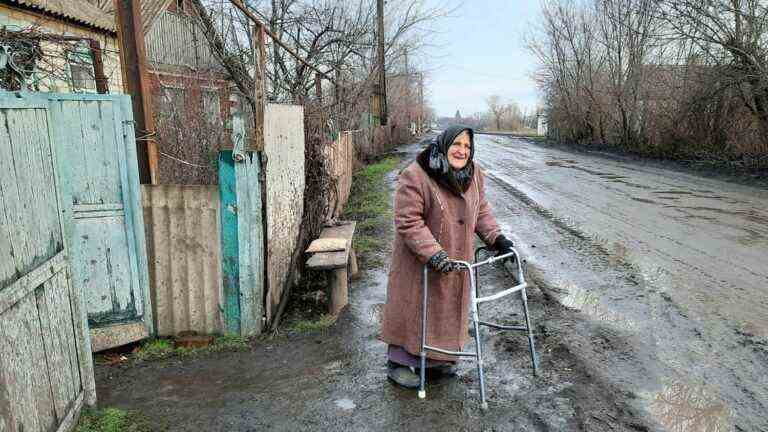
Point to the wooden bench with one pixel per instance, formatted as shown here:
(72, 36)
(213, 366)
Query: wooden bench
(342, 263)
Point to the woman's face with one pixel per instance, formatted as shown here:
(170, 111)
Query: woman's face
(459, 151)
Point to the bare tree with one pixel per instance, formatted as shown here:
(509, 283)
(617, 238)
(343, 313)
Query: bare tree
(496, 108)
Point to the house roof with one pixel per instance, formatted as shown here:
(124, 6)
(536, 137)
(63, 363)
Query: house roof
(79, 11)
(150, 11)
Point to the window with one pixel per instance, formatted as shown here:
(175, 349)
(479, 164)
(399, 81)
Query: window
(81, 74)
(211, 106)
(173, 106)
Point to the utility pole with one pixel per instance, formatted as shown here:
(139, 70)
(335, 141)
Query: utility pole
(421, 102)
(408, 105)
(136, 83)
(382, 69)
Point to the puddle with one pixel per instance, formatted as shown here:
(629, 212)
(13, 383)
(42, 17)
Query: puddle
(681, 407)
(345, 404)
(580, 299)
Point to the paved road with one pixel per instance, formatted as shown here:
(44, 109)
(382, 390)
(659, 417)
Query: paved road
(676, 263)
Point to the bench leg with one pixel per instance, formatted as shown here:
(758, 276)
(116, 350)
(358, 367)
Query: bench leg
(339, 289)
(353, 270)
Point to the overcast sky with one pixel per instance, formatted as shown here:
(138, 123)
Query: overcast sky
(482, 52)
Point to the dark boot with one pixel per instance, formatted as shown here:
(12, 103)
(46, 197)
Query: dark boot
(403, 376)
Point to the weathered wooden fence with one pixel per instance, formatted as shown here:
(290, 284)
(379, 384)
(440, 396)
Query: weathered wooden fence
(182, 226)
(284, 149)
(376, 140)
(342, 159)
(46, 370)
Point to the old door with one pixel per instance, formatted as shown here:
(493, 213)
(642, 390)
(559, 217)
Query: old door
(46, 371)
(96, 153)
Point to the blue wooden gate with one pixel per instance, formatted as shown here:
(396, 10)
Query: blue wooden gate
(242, 235)
(96, 153)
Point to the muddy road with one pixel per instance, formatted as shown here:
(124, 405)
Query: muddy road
(646, 319)
(674, 264)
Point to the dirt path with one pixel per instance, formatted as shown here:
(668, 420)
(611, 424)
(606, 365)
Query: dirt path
(336, 380)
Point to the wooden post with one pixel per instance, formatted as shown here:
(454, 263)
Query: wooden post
(382, 88)
(421, 102)
(319, 88)
(136, 83)
(339, 290)
(102, 82)
(259, 78)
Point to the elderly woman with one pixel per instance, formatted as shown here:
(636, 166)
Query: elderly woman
(439, 206)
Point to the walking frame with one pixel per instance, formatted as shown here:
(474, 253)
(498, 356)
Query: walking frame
(475, 317)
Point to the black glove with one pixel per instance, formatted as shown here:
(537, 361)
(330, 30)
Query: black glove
(504, 246)
(440, 262)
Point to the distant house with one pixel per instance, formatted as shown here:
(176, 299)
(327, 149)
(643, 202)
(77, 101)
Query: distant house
(541, 126)
(58, 46)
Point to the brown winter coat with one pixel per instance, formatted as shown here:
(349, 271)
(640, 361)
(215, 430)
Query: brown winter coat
(429, 218)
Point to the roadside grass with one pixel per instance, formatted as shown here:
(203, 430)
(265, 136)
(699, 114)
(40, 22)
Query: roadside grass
(370, 204)
(311, 326)
(115, 420)
(161, 349)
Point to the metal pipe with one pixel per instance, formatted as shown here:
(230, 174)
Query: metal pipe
(423, 371)
(454, 353)
(478, 345)
(503, 327)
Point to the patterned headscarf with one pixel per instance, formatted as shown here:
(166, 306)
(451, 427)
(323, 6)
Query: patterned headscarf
(434, 160)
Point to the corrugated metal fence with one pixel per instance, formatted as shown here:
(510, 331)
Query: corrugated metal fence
(182, 226)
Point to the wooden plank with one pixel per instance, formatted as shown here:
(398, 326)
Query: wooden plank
(69, 422)
(14, 190)
(346, 230)
(250, 237)
(64, 387)
(26, 284)
(7, 220)
(23, 364)
(111, 336)
(333, 260)
(132, 203)
(328, 260)
(230, 253)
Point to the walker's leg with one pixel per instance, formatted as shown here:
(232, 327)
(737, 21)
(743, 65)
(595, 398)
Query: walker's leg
(476, 319)
(534, 359)
(423, 371)
(478, 349)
